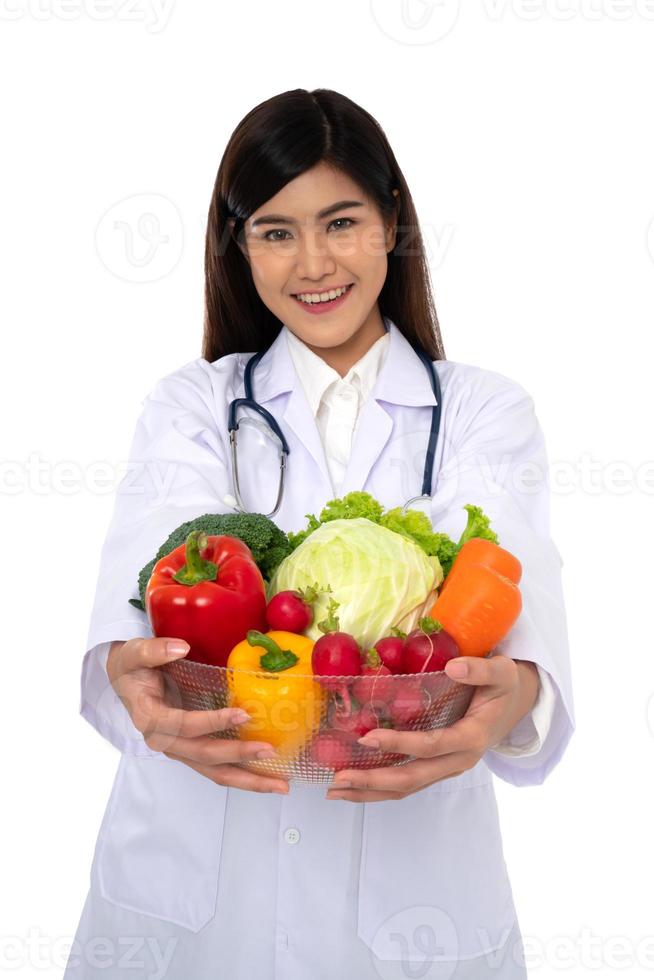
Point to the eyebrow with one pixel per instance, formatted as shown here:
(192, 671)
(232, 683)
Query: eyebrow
(279, 219)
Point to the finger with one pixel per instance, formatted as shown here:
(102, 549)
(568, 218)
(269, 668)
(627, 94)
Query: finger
(363, 796)
(407, 778)
(210, 751)
(149, 652)
(233, 776)
(374, 796)
(465, 735)
(496, 671)
(151, 714)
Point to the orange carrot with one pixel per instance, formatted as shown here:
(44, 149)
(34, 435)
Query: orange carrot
(478, 608)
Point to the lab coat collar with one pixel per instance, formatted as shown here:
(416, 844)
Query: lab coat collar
(402, 380)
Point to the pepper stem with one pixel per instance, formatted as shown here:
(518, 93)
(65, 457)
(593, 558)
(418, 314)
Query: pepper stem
(274, 659)
(196, 569)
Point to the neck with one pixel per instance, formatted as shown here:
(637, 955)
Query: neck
(342, 357)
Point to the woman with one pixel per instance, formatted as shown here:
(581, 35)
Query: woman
(210, 869)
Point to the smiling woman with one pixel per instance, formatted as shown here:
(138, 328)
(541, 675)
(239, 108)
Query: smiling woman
(331, 267)
(296, 218)
(316, 275)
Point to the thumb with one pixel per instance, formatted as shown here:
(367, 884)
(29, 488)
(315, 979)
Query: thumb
(458, 669)
(470, 670)
(494, 670)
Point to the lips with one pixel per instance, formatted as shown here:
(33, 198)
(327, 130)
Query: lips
(323, 289)
(321, 308)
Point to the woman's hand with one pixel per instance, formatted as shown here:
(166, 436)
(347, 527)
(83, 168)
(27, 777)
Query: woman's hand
(180, 734)
(506, 690)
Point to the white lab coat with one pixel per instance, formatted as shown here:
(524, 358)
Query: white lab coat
(226, 883)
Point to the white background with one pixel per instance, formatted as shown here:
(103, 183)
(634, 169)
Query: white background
(525, 133)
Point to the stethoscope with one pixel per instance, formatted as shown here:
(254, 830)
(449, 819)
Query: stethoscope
(249, 402)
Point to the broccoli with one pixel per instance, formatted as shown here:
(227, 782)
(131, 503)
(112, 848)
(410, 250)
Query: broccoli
(267, 542)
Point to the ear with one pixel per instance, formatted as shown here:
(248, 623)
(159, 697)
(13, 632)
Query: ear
(391, 229)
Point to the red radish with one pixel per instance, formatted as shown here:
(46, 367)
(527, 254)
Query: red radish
(332, 750)
(292, 610)
(335, 654)
(359, 721)
(390, 649)
(409, 702)
(375, 683)
(428, 648)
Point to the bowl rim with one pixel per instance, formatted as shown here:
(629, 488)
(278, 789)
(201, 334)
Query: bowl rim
(171, 664)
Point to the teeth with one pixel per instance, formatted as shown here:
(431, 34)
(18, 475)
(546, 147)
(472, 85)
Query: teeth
(321, 297)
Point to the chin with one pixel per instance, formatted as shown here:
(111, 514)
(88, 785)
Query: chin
(330, 338)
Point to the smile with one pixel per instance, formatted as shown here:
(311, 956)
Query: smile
(322, 302)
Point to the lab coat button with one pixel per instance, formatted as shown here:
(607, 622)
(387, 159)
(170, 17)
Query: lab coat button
(292, 835)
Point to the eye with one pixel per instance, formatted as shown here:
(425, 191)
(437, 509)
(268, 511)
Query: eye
(349, 220)
(282, 231)
(274, 232)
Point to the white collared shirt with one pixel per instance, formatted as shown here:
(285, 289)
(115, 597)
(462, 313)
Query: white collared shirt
(336, 401)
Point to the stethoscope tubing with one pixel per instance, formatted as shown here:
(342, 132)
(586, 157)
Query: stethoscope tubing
(250, 402)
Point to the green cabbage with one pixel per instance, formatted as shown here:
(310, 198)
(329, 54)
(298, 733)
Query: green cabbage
(379, 578)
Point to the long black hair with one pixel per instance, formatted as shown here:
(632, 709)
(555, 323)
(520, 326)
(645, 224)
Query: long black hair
(276, 141)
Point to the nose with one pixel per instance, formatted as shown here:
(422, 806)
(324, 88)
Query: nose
(314, 259)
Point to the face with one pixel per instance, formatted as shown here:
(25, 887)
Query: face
(318, 233)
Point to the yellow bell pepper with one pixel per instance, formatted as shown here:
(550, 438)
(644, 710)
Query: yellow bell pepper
(280, 694)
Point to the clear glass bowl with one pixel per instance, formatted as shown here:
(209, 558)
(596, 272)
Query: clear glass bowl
(314, 723)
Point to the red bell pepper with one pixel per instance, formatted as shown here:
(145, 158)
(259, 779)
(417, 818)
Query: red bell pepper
(209, 592)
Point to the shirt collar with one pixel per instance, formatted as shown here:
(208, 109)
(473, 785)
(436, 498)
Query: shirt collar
(402, 379)
(317, 376)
